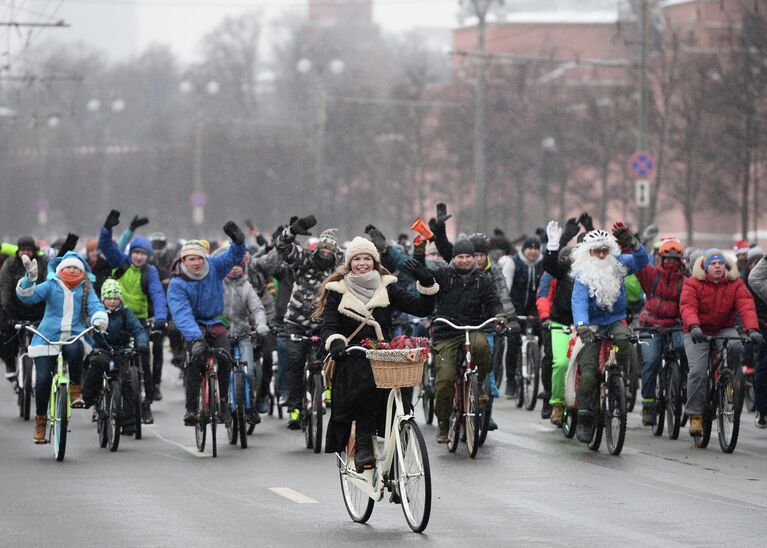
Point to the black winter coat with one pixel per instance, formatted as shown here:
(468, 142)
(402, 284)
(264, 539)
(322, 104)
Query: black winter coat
(353, 384)
(464, 299)
(10, 274)
(561, 307)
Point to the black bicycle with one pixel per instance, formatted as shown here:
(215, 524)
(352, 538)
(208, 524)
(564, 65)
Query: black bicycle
(724, 396)
(110, 404)
(670, 386)
(528, 371)
(24, 370)
(315, 397)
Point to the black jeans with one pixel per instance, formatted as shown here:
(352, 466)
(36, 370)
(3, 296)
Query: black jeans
(265, 350)
(45, 368)
(195, 367)
(92, 385)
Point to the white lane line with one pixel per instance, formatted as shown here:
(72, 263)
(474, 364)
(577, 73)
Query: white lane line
(292, 495)
(191, 450)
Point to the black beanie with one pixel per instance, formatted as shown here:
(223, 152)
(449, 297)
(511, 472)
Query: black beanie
(463, 247)
(27, 242)
(480, 242)
(531, 242)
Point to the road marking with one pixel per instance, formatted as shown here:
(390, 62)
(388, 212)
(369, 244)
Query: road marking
(191, 450)
(292, 495)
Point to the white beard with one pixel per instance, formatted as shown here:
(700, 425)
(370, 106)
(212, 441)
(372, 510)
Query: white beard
(603, 277)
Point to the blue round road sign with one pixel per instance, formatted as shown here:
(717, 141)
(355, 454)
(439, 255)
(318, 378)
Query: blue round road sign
(642, 165)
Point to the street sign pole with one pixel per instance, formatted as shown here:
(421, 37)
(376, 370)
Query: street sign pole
(641, 165)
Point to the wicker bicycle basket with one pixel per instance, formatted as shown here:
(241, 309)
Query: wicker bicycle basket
(396, 368)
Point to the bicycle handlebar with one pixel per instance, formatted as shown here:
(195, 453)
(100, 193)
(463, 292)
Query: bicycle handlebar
(738, 338)
(466, 327)
(55, 343)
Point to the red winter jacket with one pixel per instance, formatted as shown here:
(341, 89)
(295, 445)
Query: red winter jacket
(663, 287)
(713, 306)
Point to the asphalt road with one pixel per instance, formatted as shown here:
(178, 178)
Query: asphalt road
(528, 486)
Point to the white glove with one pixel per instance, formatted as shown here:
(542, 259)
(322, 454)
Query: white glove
(101, 325)
(30, 265)
(554, 233)
(262, 329)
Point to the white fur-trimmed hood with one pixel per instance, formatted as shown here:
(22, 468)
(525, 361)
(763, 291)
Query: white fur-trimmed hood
(351, 307)
(700, 274)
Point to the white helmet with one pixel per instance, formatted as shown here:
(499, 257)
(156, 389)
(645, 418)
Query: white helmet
(598, 236)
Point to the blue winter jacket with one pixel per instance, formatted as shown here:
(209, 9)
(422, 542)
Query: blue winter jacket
(194, 302)
(117, 258)
(63, 308)
(585, 309)
(123, 325)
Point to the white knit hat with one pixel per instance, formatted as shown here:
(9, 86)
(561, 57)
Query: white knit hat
(70, 261)
(360, 246)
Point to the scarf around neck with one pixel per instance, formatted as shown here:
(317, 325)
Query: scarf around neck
(363, 287)
(196, 277)
(71, 280)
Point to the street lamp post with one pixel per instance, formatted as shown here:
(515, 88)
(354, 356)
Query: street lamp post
(336, 67)
(198, 199)
(548, 152)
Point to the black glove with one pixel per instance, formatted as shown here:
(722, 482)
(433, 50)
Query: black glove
(697, 335)
(377, 237)
(624, 237)
(113, 219)
(571, 231)
(541, 233)
(442, 215)
(419, 272)
(586, 334)
(301, 226)
(138, 222)
(513, 327)
(419, 250)
(756, 337)
(261, 241)
(233, 231)
(69, 244)
(277, 233)
(199, 348)
(586, 221)
(337, 349)
(159, 325)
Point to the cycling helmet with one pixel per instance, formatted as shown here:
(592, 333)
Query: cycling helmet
(111, 289)
(598, 236)
(671, 249)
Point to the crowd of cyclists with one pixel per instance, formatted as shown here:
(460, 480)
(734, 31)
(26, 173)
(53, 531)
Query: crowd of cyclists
(567, 282)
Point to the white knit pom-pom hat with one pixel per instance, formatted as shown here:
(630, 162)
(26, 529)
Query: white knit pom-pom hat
(360, 246)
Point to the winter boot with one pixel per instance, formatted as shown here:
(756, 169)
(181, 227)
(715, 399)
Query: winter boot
(696, 425)
(648, 416)
(585, 430)
(190, 418)
(546, 409)
(761, 419)
(363, 454)
(157, 396)
(557, 414)
(76, 397)
(146, 413)
(442, 431)
(39, 435)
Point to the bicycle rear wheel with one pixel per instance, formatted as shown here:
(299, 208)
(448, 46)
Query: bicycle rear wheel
(569, 422)
(728, 412)
(60, 422)
(317, 412)
(240, 397)
(113, 415)
(673, 400)
(414, 477)
(632, 377)
(661, 389)
(533, 375)
(358, 504)
(487, 412)
(472, 415)
(614, 413)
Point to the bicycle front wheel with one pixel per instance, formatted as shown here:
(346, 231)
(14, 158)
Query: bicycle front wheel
(569, 422)
(215, 411)
(728, 413)
(472, 415)
(203, 414)
(599, 420)
(673, 400)
(26, 394)
(358, 504)
(632, 377)
(615, 414)
(414, 477)
(534, 375)
(239, 395)
(113, 415)
(60, 422)
(661, 389)
(232, 428)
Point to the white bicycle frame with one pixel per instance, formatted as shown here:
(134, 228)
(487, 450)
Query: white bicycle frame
(20, 358)
(527, 339)
(371, 482)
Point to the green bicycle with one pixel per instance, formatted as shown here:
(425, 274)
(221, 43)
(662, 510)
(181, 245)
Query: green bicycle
(59, 404)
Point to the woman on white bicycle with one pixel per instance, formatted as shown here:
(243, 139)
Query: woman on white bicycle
(70, 303)
(356, 303)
